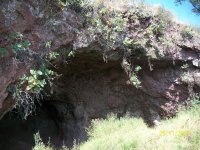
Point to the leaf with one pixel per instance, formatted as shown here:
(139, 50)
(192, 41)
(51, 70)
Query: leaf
(43, 83)
(32, 72)
(26, 44)
(71, 54)
(39, 72)
(137, 69)
(28, 88)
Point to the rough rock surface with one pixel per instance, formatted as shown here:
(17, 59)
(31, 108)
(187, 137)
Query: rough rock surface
(39, 22)
(89, 88)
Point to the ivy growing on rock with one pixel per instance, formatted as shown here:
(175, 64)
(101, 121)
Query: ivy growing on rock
(28, 90)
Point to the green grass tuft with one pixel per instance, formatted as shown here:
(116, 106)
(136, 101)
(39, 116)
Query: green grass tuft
(179, 133)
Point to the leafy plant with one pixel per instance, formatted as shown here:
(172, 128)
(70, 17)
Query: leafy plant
(135, 81)
(71, 54)
(109, 27)
(53, 55)
(156, 29)
(48, 44)
(3, 51)
(134, 77)
(21, 46)
(17, 35)
(127, 41)
(39, 144)
(187, 33)
(137, 69)
(36, 80)
(184, 66)
(28, 90)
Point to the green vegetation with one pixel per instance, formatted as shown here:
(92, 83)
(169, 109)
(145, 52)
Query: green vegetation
(187, 33)
(53, 56)
(3, 51)
(137, 29)
(134, 77)
(184, 66)
(107, 22)
(28, 89)
(74, 4)
(20, 44)
(179, 133)
(39, 145)
(71, 54)
(37, 80)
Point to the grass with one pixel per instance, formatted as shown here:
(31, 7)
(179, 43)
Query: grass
(179, 133)
(39, 145)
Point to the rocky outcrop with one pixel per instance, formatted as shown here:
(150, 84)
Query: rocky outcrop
(92, 87)
(40, 22)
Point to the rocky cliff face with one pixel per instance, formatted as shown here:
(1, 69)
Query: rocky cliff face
(92, 87)
(40, 22)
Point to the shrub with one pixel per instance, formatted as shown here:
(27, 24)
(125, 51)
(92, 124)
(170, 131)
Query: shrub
(187, 33)
(107, 23)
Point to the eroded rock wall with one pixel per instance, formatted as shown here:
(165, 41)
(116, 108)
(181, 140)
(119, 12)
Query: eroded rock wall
(39, 22)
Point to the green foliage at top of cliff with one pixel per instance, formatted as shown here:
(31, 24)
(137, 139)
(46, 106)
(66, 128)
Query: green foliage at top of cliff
(141, 30)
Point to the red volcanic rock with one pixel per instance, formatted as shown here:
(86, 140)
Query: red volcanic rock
(43, 21)
(38, 25)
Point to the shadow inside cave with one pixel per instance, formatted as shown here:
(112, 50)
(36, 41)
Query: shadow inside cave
(88, 89)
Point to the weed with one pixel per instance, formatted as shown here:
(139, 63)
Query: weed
(52, 55)
(71, 54)
(184, 66)
(39, 145)
(48, 44)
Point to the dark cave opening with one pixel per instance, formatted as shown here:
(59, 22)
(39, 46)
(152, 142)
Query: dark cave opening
(88, 89)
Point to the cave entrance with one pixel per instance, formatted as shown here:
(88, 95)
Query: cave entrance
(88, 89)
